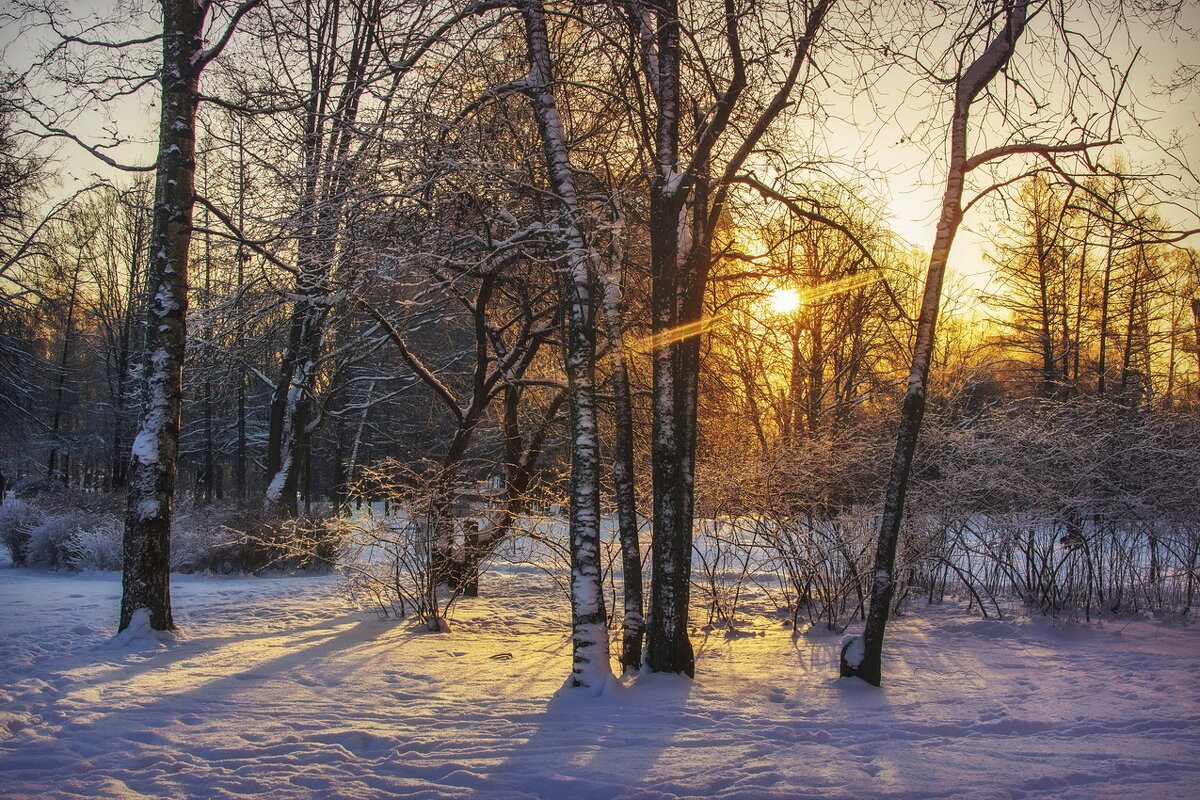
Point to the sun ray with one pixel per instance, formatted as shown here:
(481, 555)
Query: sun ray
(781, 301)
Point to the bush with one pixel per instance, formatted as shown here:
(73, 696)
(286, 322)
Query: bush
(16, 520)
(59, 528)
(30, 488)
(250, 540)
(97, 547)
(50, 539)
(74, 539)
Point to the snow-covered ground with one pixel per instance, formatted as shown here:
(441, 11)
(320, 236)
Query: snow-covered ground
(280, 690)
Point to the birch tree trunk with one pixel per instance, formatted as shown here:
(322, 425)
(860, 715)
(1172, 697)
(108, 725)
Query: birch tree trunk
(588, 619)
(862, 656)
(145, 582)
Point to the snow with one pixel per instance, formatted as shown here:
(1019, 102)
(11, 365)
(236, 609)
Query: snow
(854, 648)
(140, 635)
(145, 446)
(278, 688)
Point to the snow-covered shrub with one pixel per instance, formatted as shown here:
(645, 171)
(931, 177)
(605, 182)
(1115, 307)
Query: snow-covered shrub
(58, 528)
(65, 528)
(51, 539)
(726, 554)
(16, 520)
(98, 547)
(200, 537)
(250, 540)
(308, 543)
(30, 487)
(387, 566)
(541, 543)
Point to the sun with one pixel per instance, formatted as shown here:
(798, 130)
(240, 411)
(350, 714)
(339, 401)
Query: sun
(784, 301)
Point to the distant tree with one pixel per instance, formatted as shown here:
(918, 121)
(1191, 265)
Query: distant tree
(21, 178)
(1041, 283)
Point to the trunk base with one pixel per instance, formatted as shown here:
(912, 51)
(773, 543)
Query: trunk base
(677, 656)
(869, 669)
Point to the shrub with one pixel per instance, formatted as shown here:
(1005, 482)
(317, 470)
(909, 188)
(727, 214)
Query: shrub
(97, 547)
(250, 540)
(16, 520)
(49, 543)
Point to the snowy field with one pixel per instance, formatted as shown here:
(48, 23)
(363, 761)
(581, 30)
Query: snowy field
(280, 690)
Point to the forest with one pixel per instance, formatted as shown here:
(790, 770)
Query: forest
(617, 293)
(420, 357)
(481, 261)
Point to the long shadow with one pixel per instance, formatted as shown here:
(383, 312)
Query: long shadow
(110, 653)
(595, 748)
(206, 694)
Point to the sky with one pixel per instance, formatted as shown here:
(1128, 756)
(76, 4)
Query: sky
(914, 182)
(884, 136)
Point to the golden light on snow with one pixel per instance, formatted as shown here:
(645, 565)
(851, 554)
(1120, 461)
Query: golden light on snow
(784, 301)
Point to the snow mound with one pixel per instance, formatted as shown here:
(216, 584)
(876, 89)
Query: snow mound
(139, 635)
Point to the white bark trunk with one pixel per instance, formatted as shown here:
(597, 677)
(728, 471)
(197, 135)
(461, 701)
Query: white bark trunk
(588, 618)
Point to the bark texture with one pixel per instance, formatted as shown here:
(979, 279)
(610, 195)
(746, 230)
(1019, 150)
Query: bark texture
(588, 618)
(145, 583)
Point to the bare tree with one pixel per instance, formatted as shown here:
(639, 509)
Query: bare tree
(688, 193)
(588, 618)
(862, 656)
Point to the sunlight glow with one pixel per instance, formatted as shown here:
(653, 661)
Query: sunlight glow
(788, 300)
(677, 334)
(781, 301)
(858, 280)
(784, 301)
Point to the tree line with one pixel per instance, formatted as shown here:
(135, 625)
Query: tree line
(536, 252)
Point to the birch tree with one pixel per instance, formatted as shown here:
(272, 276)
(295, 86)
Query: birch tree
(589, 628)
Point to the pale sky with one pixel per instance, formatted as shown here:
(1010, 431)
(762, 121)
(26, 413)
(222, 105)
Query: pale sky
(877, 138)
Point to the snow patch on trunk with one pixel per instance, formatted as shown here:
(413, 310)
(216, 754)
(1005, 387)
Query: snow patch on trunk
(853, 650)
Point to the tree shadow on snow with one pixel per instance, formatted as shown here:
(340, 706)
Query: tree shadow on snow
(590, 747)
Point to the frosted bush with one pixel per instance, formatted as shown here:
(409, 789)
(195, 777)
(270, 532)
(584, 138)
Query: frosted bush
(16, 520)
(232, 539)
(98, 547)
(60, 537)
(50, 539)
(195, 539)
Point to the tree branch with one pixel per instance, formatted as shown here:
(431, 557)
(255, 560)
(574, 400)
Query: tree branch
(1004, 151)
(419, 369)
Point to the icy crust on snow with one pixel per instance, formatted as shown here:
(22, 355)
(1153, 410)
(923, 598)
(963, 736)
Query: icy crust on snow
(282, 691)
